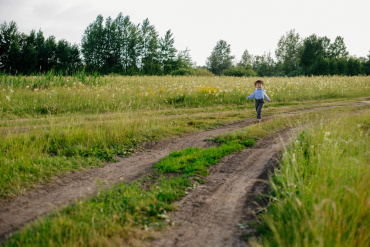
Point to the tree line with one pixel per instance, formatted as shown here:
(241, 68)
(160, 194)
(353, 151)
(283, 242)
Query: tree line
(123, 47)
(295, 56)
(29, 54)
(107, 46)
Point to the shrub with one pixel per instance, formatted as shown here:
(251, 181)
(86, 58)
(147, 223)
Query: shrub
(182, 72)
(239, 72)
(203, 72)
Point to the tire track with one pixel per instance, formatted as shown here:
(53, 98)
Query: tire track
(209, 215)
(67, 188)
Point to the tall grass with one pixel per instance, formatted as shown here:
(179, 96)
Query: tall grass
(52, 95)
(321, 193)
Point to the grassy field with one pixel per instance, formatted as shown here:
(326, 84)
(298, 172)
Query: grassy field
(54, 125)
(40, 96)
(71, 123)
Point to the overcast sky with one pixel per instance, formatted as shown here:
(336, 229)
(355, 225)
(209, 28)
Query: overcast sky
(198, 24)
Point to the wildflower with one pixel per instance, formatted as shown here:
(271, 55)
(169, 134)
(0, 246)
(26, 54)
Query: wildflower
(8, 98)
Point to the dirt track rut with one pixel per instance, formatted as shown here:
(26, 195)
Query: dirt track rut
(214, 213)
(67, 188)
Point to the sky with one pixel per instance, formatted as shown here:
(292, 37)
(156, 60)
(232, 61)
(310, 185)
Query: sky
(198, 25)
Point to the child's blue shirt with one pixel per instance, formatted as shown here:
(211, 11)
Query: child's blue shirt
(259, 94)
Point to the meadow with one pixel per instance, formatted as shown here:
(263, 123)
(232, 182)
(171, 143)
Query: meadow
(71, 123)
(52, 125)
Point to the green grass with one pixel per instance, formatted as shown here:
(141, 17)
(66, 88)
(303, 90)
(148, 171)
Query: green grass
(39, 96)
(33, 151)
(320, 194)
(192, 161)
(124, 213)
(37, 155)
(116, 215)
(51, 125)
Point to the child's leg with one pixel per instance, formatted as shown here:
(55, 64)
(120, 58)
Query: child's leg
(259, 105)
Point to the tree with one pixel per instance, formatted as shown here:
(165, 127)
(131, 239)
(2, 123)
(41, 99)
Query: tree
(264, 65)
(288, 51)
(321, 66)
(246, 61)
(367, 65)
(220, 58)
(184, 59)
(8, 34)
(67, 56)
(149, 45)
(354, 66)
(92, 45)
(310, 51)
(14, 57)
(133, 50)
(167, 53)
(314, 48)
(50, 50)
(29, 54)
(126, 43)
(338, 49)
(111, 59)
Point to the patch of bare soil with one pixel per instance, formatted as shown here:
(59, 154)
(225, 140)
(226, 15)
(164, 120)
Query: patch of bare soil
(217, 213)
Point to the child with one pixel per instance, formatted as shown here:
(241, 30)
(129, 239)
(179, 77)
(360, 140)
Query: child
(259, 94)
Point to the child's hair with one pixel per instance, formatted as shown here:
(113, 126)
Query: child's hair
(258, 81)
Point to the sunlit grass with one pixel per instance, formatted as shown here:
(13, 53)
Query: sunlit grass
(321, 193)
(41, 95)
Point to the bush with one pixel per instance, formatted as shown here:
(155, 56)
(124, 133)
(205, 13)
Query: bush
(202, 72)
(182, 72)
(239, 72)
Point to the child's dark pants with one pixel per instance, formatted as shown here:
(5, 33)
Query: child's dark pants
(259, 104)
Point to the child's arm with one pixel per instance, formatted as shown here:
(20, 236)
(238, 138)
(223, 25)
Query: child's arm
(252, 95)
(265, 95)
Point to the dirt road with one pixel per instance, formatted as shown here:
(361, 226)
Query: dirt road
(66, 189)
(218, 212)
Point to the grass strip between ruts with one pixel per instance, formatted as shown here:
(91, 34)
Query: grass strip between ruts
(114, 215)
